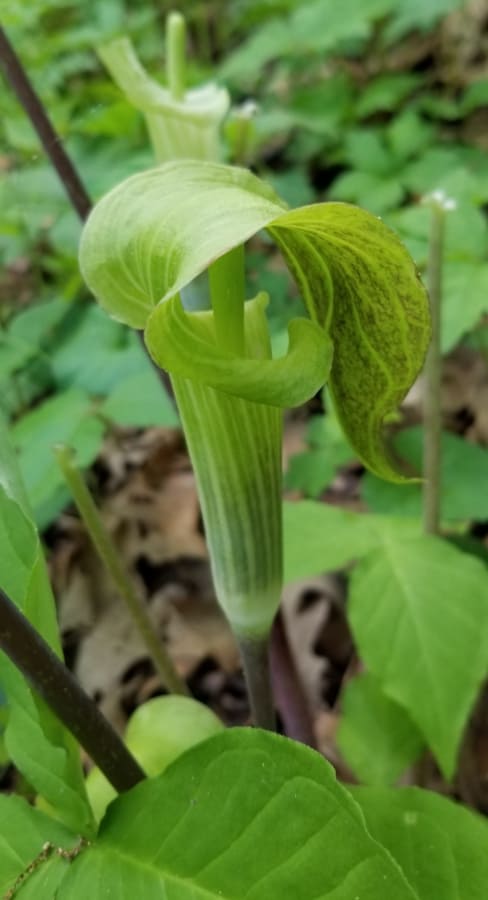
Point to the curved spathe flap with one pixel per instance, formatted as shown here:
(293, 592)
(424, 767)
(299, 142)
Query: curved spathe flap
(178, 344)
(157, 231)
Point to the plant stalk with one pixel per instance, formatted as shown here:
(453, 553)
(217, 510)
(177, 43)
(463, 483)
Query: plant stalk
(175, 54)
(228, 293)
(110, 558)
(50, 678)
(288, 690)
(433, 372)
(255, 660)
(52, 143)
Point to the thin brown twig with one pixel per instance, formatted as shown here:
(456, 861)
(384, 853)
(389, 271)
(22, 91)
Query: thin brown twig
(19, 81)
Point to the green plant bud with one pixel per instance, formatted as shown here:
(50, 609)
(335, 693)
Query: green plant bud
(184, 127)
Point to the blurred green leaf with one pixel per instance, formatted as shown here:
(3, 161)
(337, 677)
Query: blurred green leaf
(441, 846)
(66, 418)
(313, 470)
(386, 92)
(464, 467)
(378, 193)
(321, 538)
(95, 353)
(376, 737)
(141, 401)
(417, 15)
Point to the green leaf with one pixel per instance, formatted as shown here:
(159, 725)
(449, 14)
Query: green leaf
(140, 401)
(310, 472)
(419, 614)
(475, 95)
(464, 299)
(36, 741)
(22, 843)
(157, 231)
(408, 135)
(386, 92)
(320, 538)
(366, 149)
(464, 466)
(376, 737)
(379, 193)
(114, 352)
(246, 813)
(418, 15)
(36, 323)
(313, 470)
(66, 418)
(441, 847)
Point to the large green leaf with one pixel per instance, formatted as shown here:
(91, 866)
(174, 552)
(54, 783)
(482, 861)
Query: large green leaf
(320, 538)
(441, 847)
(245, 814)
(151, 236)
(36, 742)
(418, 609)
(24, 857)
(376, 737)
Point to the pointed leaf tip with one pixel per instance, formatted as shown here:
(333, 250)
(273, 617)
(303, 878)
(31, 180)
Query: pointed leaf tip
(376, 308)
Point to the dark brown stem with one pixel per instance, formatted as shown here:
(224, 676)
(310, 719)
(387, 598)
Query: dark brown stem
(51, 141)
(255, 660)
(17, 78)
(50, 678)
(287, 687)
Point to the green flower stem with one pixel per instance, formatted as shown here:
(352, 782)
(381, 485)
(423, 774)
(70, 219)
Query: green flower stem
(255, 659)
(175, 54)
(235, 449)
(433, 371)
(227, 292)
(110, 558)
(56, 685)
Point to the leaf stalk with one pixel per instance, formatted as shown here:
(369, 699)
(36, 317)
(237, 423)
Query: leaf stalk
(110, 558)
(433, 368)
(255, 660)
